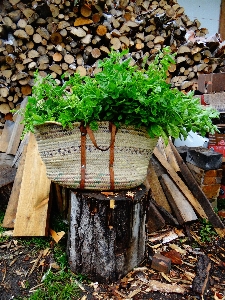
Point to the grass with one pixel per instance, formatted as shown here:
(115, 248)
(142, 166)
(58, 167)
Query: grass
(55, 285)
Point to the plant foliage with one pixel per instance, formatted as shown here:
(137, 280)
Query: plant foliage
(120, 93)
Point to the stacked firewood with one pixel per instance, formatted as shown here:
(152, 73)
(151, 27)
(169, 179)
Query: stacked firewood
(58, 36)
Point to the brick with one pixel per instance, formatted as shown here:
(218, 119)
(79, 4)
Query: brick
(161, 263)
(211, 180)
(211, 191)
(214, 173)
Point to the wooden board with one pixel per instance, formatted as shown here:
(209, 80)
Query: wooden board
(7, 175)
(6, 135)
(156, 188)
(6, 159)
(180, 184)
(200, 197)
(10, 214)
(17, 132)
(171, 158)
(181, 207)
(32, 209)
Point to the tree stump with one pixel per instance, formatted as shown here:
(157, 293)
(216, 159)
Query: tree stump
(107, 233)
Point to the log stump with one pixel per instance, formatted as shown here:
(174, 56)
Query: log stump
(107, 233)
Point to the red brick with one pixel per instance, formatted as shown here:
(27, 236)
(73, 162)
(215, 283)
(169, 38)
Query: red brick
(211, 191)
(210, 180)
(214, 173)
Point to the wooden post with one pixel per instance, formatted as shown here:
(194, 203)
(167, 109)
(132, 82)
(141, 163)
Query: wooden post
(107, 233)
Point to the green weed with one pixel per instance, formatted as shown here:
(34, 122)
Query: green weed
(206, 231)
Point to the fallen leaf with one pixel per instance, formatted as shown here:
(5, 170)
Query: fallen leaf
(56, 235)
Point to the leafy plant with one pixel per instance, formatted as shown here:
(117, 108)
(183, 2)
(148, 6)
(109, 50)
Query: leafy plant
(120, 93)
(206, 231)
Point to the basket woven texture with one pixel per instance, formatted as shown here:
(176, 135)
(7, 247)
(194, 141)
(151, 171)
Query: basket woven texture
(60, 150)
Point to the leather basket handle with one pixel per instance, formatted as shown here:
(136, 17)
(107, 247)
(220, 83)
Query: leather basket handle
(92, 137)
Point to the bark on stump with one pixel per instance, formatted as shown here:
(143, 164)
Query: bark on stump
(107, 233)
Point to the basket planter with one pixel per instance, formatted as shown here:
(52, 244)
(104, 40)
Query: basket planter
(105, 159)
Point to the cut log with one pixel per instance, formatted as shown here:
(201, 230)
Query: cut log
(107, 233)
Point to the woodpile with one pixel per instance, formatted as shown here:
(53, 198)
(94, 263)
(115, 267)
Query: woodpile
(60, 36)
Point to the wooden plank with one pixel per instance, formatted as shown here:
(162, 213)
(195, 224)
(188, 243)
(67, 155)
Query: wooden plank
(20, 150)
(7, 175)
(171, 158)
(180, 184)
(6, 159)
(200, 197)
(156, 188)
(32, 210)
(10, 214)
(222, 20)
(17, 132)
(181, 207)
(154, 220)
(6, 135)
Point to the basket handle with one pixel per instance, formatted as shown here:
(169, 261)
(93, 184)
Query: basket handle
(112, 128)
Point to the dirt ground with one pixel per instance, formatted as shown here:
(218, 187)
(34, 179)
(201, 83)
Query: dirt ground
(24, 262)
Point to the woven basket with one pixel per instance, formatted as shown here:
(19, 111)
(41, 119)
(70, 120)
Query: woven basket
(111, 164)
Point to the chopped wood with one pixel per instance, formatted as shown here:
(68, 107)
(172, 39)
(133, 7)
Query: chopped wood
(57, 56)
(82, 21)
(101, 30)
(158, 286)
(161, 263)
(56, 38)
(85, 11)
(201, 281)
(69, 59)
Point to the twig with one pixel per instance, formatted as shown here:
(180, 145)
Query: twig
(35, 264)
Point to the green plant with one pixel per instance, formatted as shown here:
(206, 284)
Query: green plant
(120, 93)
(57, 286)
(206, 231)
